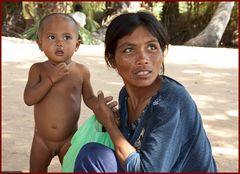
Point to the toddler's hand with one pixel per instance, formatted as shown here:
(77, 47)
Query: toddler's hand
(58, 72)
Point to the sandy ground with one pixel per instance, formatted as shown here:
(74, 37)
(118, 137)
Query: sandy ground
(209, 74)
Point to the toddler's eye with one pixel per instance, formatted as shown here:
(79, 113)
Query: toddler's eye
(51, 37)
(67, 37)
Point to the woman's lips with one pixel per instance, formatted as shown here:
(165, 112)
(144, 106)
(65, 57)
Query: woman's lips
(143, 73)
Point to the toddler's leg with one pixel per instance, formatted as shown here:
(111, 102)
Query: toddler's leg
(63, 150)
(95, 157)
(40, 157)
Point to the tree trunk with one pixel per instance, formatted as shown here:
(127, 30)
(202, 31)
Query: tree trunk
(212, 34)
(112, 10)
(170, 13)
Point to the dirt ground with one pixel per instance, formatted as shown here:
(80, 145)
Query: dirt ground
(209, 74)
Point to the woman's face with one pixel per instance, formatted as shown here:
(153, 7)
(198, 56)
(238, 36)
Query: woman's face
(138, 58)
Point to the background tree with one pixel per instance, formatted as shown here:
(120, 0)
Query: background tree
(170, 13)
(212, 34)
(12, 19)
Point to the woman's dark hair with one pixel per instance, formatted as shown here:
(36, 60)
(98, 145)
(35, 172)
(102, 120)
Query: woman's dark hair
(125, 24)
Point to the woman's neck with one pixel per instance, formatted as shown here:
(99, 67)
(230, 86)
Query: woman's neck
(138, 99)
(138, 96)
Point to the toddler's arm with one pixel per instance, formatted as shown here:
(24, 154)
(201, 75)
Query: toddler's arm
(88, 95)
(36, 88)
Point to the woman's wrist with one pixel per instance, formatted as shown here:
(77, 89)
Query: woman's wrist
(111, 125)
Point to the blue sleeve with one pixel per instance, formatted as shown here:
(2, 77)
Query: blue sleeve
(132, 160)
(169, 136)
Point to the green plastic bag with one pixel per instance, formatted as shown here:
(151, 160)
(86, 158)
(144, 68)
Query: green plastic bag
(89, 131)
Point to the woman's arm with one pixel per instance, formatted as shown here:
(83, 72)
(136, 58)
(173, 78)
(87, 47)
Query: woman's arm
(106, 117)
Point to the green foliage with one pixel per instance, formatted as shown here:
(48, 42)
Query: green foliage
(90, 8)
(31, 33)
(86, 36)
(157, 8)
(91, 25)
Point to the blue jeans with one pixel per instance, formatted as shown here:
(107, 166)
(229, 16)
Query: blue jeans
(95, 157)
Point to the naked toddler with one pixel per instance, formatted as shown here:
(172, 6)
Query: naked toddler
(55, 88)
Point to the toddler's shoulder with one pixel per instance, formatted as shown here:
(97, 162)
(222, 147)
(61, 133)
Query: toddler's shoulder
(37, 66)
(81, 66)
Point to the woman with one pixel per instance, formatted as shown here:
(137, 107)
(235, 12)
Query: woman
(160, 128)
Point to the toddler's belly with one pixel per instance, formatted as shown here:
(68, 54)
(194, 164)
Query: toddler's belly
(56, 121)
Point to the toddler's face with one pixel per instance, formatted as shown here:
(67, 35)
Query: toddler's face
(58, 39)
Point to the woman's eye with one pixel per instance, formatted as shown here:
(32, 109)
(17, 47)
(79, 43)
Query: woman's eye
(51, 37)
(128, 50)
(67, 37)
(152, 47)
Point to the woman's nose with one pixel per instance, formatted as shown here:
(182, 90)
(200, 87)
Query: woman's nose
(142, 58)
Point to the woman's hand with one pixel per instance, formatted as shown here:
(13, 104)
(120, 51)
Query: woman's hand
(112, 105)
(107, 117)
(105, 110)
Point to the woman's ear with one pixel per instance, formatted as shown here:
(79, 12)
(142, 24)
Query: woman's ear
(113, 64)
(165, 52)
(111, 60)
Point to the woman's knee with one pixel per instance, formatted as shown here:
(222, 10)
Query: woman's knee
(95, 157)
